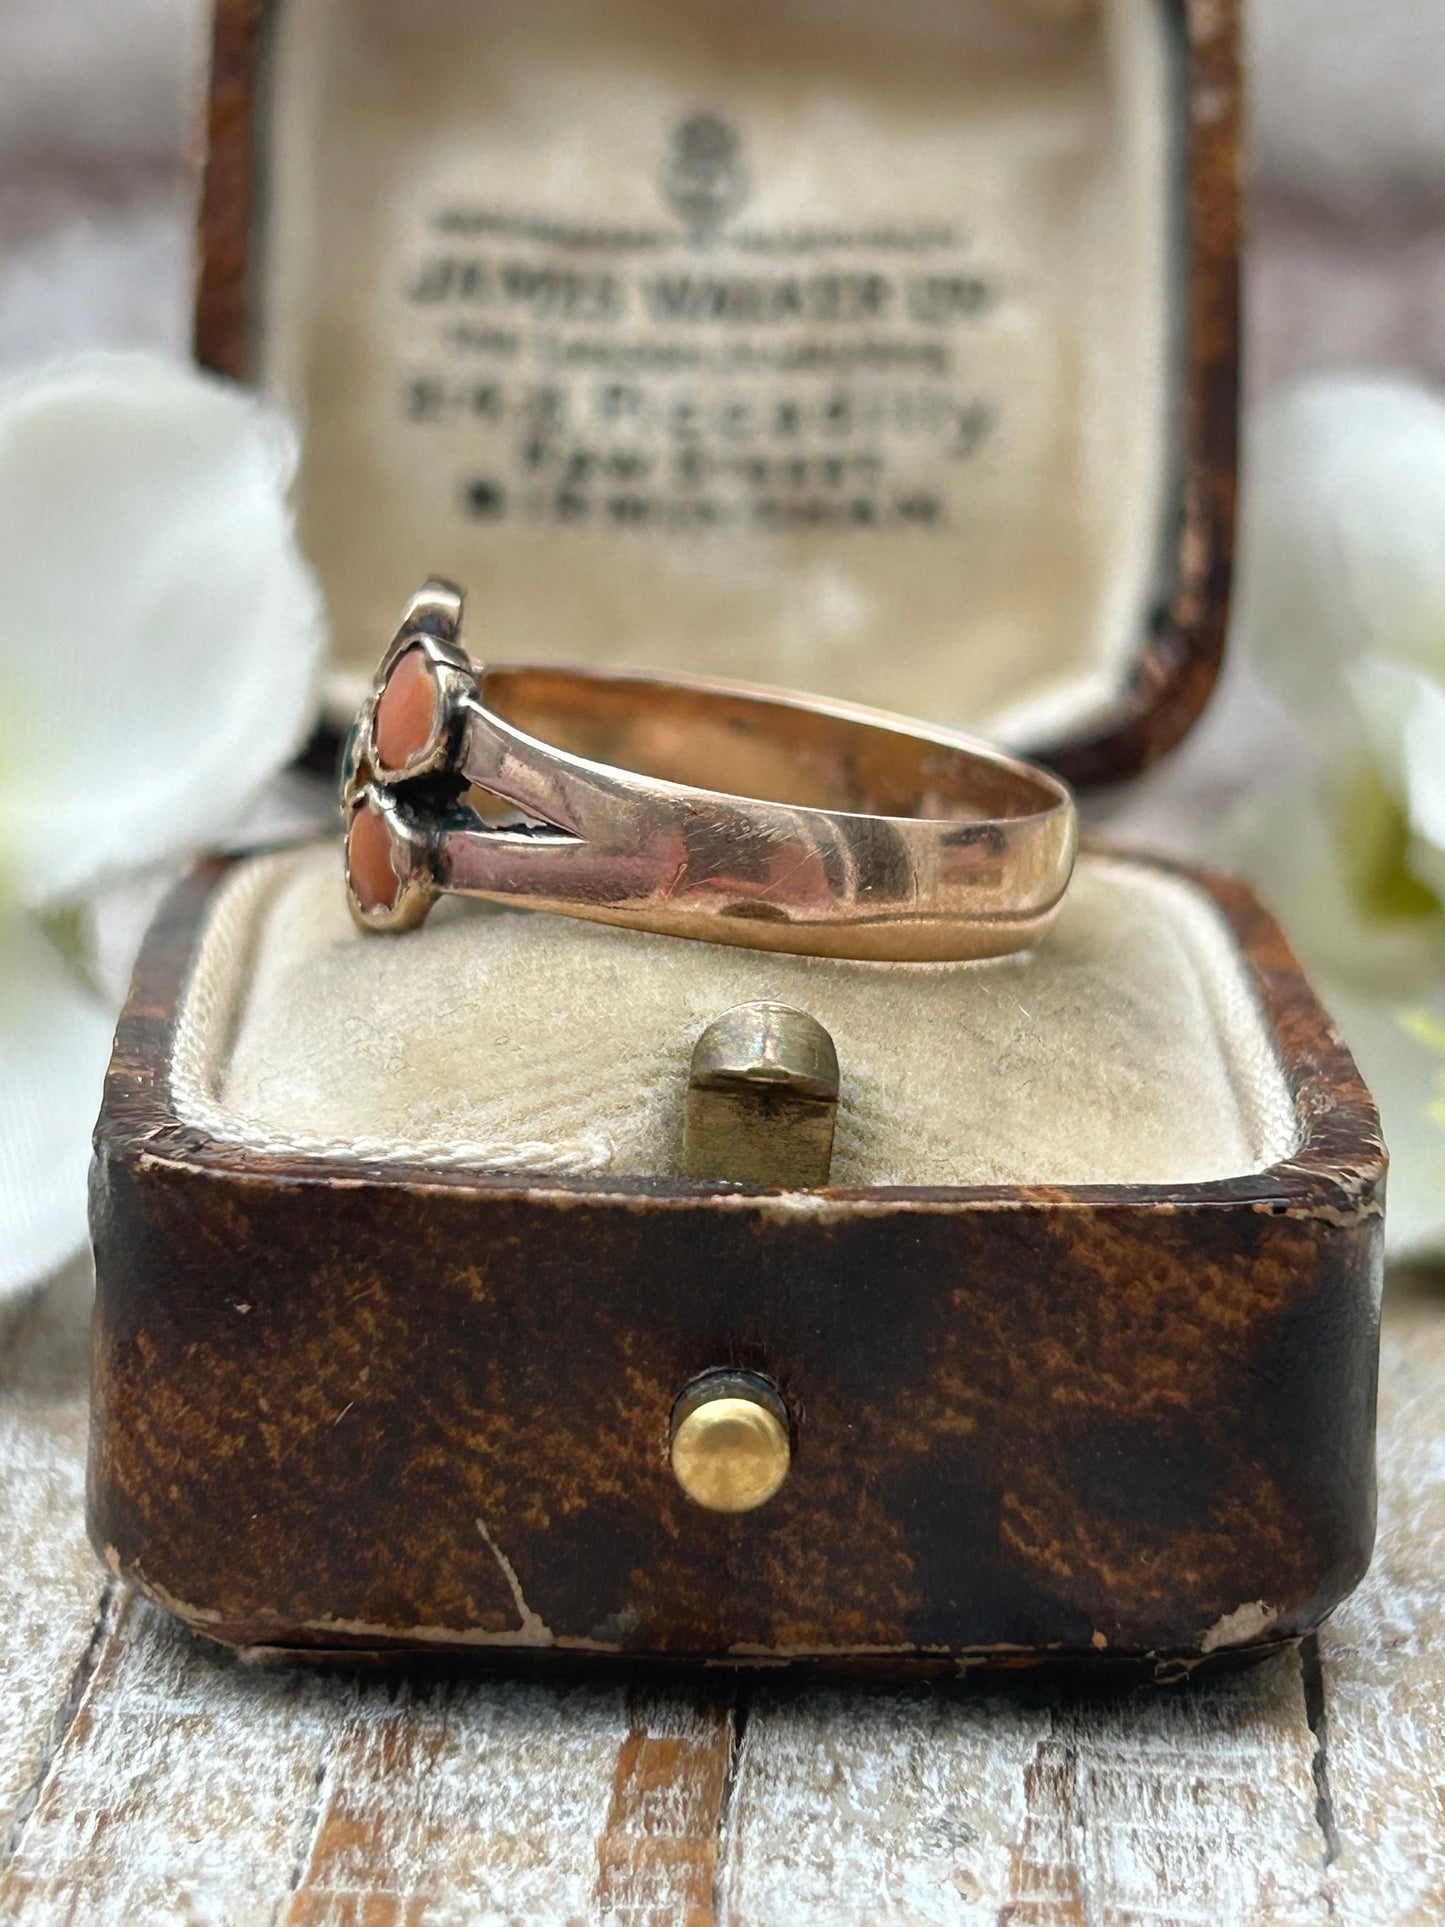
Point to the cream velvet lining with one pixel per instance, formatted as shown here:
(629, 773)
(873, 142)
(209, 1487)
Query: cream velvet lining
(1126, 1048)
(472, 212)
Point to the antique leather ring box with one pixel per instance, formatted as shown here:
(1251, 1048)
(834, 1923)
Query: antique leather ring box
(887, 351)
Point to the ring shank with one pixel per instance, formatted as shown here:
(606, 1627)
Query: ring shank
(767, 747)
(755, 818)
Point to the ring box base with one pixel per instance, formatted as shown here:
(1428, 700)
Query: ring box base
(379, 1404)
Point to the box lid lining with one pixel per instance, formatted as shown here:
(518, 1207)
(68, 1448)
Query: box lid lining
(1051, 160)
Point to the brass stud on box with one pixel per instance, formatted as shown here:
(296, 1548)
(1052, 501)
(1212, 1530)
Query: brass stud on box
(731, 1443)
(762, 1099)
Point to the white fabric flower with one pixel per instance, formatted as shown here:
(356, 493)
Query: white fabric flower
(160, 639)
(1342, 609)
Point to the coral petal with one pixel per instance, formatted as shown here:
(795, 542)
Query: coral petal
(368, 861)
(406, 711)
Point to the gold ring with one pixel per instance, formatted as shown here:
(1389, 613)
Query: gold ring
(691, 807)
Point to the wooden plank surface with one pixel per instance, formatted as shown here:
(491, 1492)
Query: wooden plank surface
(49, 1584)
(150, 1777)
(1383, 1654)
(952, 1806)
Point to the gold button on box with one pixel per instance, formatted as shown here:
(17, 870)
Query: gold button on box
(731, 1446)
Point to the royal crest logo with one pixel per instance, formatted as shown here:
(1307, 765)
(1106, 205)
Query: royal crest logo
(704, 177)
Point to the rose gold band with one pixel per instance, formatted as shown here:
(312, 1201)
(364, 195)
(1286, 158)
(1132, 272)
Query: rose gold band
(695, 808)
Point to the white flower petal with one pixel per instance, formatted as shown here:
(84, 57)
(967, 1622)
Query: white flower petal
(1383, 694)
(1287, 841)
(1400, 1049)
(54, 1045)
(1343, 540)
(1402, 715)
(1426, 861)
(160, 634)
(1423, 755)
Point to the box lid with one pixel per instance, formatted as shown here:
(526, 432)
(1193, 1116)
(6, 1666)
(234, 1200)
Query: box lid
(887, 351)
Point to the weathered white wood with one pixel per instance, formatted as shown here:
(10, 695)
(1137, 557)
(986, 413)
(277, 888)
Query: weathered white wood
(877, 1807)
(1196, 1806)
(50, 1585)
(454, 1802)
(1383, 1655)
(189, 1787)
(179, 1792)
(151, 1777)
(657, 1858)
(1193, 1806)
